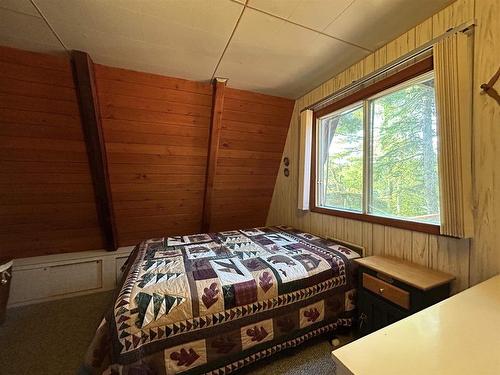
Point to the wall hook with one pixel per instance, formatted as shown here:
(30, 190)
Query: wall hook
(488, 87)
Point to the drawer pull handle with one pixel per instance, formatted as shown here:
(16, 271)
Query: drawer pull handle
(381, 290)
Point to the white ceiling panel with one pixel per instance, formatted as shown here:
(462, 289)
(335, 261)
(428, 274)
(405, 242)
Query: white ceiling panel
(147, 57)
(373, 23)
(178, 38)
(25, 31)
(273, 56)
(316, 14)
(20, 6)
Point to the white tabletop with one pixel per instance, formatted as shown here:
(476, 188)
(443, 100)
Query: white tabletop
(460, 335)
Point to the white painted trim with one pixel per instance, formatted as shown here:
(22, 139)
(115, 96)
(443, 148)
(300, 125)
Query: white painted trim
(66, 257)
(51, 277)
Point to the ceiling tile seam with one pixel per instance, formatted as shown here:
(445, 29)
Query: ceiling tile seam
(338, 15)
(230, 38)
(311, 29)
(49, 25)
(18, 12)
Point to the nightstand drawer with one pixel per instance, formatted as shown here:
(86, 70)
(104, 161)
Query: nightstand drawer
(389, 292)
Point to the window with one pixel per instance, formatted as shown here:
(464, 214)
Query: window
(376, 156)
(340, 151)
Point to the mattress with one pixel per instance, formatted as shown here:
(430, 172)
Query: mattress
(216, 302)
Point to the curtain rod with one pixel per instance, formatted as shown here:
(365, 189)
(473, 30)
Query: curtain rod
(399, 61)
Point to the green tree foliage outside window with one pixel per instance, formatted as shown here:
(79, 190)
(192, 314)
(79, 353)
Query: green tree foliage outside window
(343, 159)
(401, 160)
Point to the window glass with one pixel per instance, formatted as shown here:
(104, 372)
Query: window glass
(404, 178)
(398, 170)
(340, 156)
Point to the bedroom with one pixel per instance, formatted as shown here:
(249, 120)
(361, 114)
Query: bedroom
(222, 180)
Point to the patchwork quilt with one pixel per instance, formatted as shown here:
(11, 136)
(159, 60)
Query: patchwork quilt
(213, 303)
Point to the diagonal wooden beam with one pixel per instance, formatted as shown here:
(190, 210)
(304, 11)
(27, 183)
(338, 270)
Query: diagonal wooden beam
(219, 85)
(83, 74)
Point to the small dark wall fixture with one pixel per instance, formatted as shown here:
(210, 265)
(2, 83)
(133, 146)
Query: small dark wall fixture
(286, 162)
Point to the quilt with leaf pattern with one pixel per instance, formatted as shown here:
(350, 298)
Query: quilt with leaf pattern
(214, 303)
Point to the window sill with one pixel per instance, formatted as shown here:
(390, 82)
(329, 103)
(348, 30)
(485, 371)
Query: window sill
(402, 224)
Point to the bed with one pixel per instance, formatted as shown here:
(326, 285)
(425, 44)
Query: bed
(214, 303)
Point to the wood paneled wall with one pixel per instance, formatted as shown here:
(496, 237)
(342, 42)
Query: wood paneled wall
(485, 249)
(253, 134)
(47, 199)
(156, 133)
(471, 261)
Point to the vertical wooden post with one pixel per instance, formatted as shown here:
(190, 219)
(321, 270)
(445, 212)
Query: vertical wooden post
(83, 74)
(219, 84)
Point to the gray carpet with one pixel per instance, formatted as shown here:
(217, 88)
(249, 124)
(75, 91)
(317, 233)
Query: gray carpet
(51, 338)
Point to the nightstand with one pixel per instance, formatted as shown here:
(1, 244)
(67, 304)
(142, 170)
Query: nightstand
(390, 289)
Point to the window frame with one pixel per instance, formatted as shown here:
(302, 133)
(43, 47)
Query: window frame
(406, 74)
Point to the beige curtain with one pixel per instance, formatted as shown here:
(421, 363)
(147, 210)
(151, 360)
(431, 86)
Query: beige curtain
(306, 125)
(453, 83)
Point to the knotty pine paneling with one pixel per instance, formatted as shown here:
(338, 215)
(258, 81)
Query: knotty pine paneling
(47, 203)
(156, 132)
(485, 252)
(442, 253)
(253, 133)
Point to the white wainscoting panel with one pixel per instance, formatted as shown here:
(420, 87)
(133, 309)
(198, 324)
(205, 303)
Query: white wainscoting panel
(50, 277)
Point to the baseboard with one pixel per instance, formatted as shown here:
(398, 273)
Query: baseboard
(52, 277)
